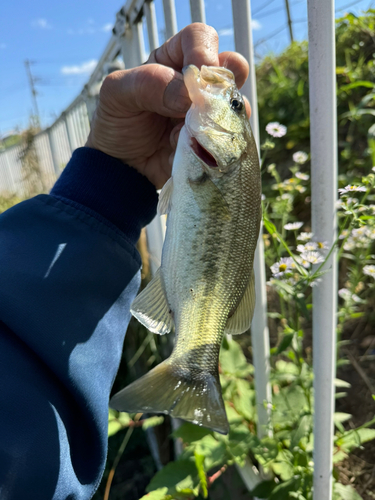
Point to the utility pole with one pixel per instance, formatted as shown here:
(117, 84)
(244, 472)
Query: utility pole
(33, 91)
(289, 20)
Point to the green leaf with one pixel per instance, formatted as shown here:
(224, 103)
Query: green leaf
(189, 433)
(361, 83)
(285, 343)
(199, 461)
(178, 477)
(341, 417)
(345, 492)
(283, 469)
(239, 442)
(263, 489)
(271, 228)
(233, 361)
(303, 428)
(281, 492)
(159, 494)
(266, 451)
(341, 383)
(117, 421)
(152, 422)
(214, 451)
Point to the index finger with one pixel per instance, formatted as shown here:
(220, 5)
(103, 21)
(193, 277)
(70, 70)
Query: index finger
(195, 44)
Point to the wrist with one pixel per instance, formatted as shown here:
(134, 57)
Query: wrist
(110, 188)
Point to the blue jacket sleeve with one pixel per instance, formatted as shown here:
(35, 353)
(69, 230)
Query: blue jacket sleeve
(68, 271)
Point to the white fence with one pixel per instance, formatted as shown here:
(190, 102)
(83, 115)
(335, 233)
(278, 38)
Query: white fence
(55, 145)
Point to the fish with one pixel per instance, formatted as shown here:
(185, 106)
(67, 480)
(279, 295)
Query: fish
(204, 287)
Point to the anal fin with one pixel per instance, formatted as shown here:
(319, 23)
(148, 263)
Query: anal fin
(240, 321)
(151, 307)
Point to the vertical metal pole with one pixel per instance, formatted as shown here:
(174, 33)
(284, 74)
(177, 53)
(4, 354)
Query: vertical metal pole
(323, 132)
(259, 328)
(132, 46)
(198, 13)
(152, 27)
(53, 152)
(170, 18)
(68, 133)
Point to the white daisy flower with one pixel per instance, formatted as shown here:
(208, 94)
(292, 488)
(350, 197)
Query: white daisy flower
(312, 257)
(369, 271)
(308, 247)
(302, 262)
(343, 234)
(305, 236)
(292, 226)
(339, 204)
(351, 201)
(276, 129)
(349, 245)
(302, 176)
(289, 197)
(351, 189)
(373, 169)
(360, 232)
(301, 189)
(283, 266)
(322, 245)
(300, 157)
(347, 295)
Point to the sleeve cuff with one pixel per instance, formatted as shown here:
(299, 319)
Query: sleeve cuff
(110, 188)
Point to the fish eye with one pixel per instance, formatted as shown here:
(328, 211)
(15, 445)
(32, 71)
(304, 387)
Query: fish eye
(236, 103)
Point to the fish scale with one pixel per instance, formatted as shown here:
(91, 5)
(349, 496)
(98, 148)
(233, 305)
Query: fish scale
(205, 285)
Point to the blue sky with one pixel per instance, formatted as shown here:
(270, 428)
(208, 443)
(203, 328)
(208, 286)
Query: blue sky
(65, 39)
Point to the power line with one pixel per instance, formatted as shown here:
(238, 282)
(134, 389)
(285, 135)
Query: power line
(271, 35)
(32, 88)
(289, 20)
(261, 8)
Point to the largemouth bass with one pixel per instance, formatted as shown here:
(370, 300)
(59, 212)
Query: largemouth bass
(205, 284)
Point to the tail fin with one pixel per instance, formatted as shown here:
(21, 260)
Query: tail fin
(193, 395)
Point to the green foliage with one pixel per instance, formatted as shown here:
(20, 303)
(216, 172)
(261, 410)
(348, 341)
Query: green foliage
(285, 453)
(283, 94)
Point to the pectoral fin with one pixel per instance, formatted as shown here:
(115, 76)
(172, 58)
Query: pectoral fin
(165, 196)
(240, 321)
(151, 307)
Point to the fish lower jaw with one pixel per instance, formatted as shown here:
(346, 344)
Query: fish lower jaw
(202, 154)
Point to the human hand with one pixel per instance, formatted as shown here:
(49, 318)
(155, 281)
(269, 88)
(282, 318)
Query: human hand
(141, 110)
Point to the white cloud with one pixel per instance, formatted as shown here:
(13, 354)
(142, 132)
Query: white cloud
(107, 27)
(3, 45)
(229, 31)
(226, 32)
(84, 68)
(256, 24)
(41, 23)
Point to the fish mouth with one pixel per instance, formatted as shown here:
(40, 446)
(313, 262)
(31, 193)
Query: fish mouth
(202, 153)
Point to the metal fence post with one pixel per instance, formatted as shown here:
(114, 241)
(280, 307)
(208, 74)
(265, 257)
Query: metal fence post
(259, 327)
(53, 152)
(198, 13)
(323, 132)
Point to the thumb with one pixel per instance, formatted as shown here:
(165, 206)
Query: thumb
(150, 87)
